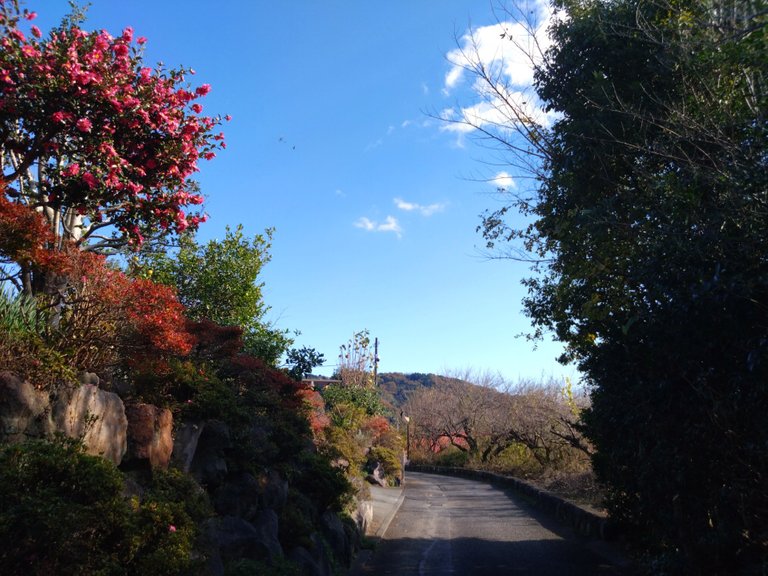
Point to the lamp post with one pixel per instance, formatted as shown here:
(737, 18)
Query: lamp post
(407, 438)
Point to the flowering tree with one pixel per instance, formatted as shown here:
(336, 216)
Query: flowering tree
(103, 146)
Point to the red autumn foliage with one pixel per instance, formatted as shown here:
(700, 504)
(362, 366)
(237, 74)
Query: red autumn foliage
(107, 317)
(25, 237)
(215, 342)
(318, 419)
(376, 426)
(253, 373)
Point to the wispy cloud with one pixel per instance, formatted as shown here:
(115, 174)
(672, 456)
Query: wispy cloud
(423, 210)
(390, 224)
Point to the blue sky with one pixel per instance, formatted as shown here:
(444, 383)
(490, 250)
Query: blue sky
(375, 203)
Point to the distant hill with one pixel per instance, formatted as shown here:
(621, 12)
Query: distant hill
(396, 387)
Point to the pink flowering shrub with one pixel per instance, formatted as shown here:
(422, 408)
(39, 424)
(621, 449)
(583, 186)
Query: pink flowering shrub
(115, 143)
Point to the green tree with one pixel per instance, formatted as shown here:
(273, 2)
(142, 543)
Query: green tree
(649, 227)
(218, 281)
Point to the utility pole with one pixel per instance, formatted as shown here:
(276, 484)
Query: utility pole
(375, 362)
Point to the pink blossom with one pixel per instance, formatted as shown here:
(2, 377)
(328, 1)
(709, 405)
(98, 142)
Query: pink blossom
(30, 15)
(209, 155)
(171, 528)
(84, 125)
(60, 117)
(127, 34)
(120, 50)
(203, 90)
(196, 108)
(36, 32)
(90, 180)
(141, 40)
(30, 51)
(227, 117)
(181, 221)
(72, 170)
(18, 34)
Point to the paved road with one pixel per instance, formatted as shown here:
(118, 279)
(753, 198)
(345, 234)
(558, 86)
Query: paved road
(455, 526)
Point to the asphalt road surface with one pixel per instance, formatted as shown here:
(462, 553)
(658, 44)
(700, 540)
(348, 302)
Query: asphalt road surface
(455, 526)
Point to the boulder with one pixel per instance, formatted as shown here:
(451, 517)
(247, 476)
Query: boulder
(185, 444)
(150, 434)
(96, 417)
(21, 408)
(314, 562)
(342, 541)
(208, 465)
(238, 496)
(273, 490)
(266, 525)
(231, 538)
(364, 515)
(377, 475)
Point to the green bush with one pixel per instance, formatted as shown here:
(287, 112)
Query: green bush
(452, 457)
(389, 459)
(365, 398)
(63, 512)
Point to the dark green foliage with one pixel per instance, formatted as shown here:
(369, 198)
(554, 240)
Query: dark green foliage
(63, 512)
(325, 485)
(302, 361)
(366, 399)
(652, 227)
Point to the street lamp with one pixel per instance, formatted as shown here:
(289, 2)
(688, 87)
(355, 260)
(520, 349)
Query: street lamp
(407, 439)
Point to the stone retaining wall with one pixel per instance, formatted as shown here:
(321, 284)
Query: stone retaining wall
(583, 521)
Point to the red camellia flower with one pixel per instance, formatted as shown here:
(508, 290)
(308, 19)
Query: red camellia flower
(136, 150)
(84, 125)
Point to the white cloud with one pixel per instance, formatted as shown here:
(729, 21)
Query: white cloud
(365, 223)
(503, 180)
(390, 224)
(505, 54)
(510, 49)
(423, 210)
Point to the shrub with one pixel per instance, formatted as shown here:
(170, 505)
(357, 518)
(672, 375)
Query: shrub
(389, 459)
(62, 512)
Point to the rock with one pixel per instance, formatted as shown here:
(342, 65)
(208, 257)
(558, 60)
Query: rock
(185, 444)
(21, 408)
(208, 464)
(232, 539)
(377, 475)
(238, 496)
(89, 378)
(150, 434)
(266, 525)
(364, 515)
(96, 417)
(273, 489)
(341, 541)
(315, 562)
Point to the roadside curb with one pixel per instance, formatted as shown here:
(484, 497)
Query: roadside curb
(364, 556)
(390, 515)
